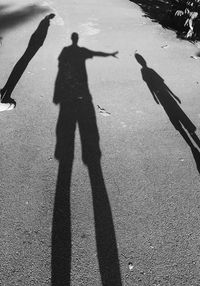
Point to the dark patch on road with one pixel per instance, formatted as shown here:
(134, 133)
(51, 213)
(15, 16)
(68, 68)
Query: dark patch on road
(12, 19)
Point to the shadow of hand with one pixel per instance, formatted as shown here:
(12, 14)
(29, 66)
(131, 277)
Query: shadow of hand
(114, 55)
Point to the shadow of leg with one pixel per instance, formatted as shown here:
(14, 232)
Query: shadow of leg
(196, 156)
(196, 139)
(61, 229)
(104, 226)
(105, 232)
(194, 150)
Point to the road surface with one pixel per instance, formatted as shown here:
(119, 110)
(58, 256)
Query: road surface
(131, 217)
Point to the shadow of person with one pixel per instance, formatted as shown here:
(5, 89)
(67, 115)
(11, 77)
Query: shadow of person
(76, 108)
(164, 96)
(36, 41)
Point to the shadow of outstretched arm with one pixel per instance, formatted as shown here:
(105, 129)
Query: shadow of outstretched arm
(102, 54)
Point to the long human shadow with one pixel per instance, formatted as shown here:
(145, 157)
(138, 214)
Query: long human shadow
(76, 109)
(36, 41)
(164, 96)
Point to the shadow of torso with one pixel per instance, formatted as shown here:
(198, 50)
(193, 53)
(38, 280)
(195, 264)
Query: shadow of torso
(159, 89)
(164, 96)
(72, 82)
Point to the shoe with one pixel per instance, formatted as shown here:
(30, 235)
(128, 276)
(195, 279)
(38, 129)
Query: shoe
(6, 106)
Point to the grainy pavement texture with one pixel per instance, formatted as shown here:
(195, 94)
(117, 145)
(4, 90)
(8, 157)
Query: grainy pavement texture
(101, 192)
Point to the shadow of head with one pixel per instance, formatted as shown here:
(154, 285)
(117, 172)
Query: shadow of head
(140, 60)
(74, 38)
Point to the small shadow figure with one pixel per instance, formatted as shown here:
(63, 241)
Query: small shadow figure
(164, 96)
(76, 108)
(36, 41)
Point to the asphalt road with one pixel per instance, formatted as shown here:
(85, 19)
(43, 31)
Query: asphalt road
(130, 216)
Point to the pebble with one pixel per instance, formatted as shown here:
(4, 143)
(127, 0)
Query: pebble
(130, 265)
(164, 46)
(103, 112)
(194, 57)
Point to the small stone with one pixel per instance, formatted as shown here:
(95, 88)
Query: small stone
(164, 46)
(102, 111)
(130, 265)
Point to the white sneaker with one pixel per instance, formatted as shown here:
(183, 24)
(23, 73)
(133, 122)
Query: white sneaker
(6, 106)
